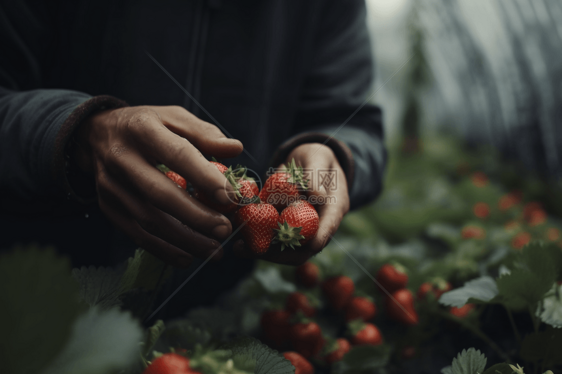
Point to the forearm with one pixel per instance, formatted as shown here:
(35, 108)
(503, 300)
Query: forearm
(35, 127)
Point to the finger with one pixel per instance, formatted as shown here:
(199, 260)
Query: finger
(166, 252)
(156, 189)
(158, 223)
(206, 137)
(162, 145)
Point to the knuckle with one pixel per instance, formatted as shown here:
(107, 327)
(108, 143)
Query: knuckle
(141, 119)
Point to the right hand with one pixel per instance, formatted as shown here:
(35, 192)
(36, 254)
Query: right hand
(121, 148)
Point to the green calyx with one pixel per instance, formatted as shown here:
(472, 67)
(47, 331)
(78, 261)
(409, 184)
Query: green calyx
(355, 326)
(163, 168)
(296, 174)
(288, 236)
(233, 178)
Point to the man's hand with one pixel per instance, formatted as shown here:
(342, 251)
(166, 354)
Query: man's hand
(121, 149)
(330, 205)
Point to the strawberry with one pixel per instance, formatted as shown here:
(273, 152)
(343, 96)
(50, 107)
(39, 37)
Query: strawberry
(261, 221)
(337, 349)
(473, 232)
(169, 363)
(298, 301)
(520, 240)
(508, 201)
(436, 287)
(301, 364)
(481, 210)
(306, 338)
(463, 311)
(275, 326)
(479, 179)
(173, 176)
(553, 234)
(364, 333)
(298, 223)
(307, 274)
(361, 308)
(392, 277)
(401, 307)
(283, 187)
(244, 187)
(338, 291)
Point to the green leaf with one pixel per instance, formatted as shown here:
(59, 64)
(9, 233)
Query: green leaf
(550, 310)
(544, 345)
(271, 280)
(482, 289)
(152, 336)
(521, 288)
(145, 271)
(499, 369)
(469, 361)
(363, 359)
(182, 334)
(99, 286)
(101, 342)
(268, 361)
(447, 370)
(39, 303)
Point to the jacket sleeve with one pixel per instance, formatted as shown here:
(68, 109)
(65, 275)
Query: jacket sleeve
(334, 106)
(35, 123)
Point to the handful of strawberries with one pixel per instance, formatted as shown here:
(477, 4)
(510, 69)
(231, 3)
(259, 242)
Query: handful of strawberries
(276, 214)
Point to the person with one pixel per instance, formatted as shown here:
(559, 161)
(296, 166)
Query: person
(94, 94)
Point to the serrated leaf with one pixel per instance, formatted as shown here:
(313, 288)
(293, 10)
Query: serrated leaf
(550, 310)
(482, 289)
(521, 288)
(99, 286)
(539, 260)
(469, 361)
(180, 333)
(101, 342)
(39, 303)
(271, 280)
(152, 336)
(145, 271)
(447, 370)
(499, 369)
(268, 361)
(544, 345)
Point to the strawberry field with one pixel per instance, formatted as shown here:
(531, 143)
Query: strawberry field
(456, 268)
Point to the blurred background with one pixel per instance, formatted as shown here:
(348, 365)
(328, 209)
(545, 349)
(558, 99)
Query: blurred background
(488, 71)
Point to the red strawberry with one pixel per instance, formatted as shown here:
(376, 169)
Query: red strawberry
(275, 326)
(520, 240)
(339, 291)
(553, 234)
(259, 230)
(306, 338)
(301, 364)
(436, 287)
(337, 350)
(361, 308)
(243, 186)
(307, 274)
(298, 223)
(392, 277)
(283, 187)
(479, 179)
(177, 179)
(401, 307)
(473, 232)
(463, 311)
(299, 302)
(365, 333)
(169, 363)
(481, 210)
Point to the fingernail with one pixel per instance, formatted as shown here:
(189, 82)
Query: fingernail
(221, 231)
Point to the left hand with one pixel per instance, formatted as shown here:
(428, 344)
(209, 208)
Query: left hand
(314, 157)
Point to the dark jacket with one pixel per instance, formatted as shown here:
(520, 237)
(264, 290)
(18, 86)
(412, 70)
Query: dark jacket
(273, 73)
